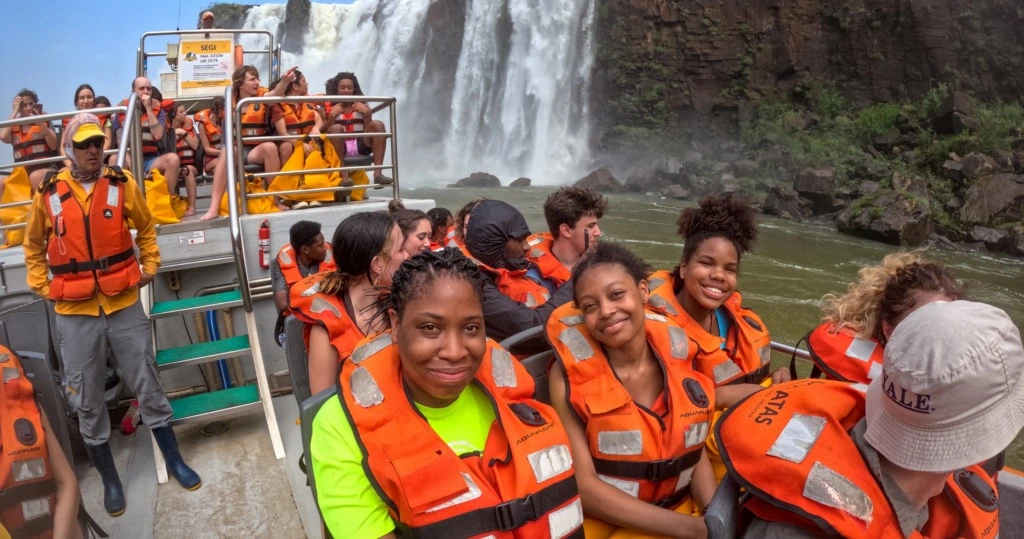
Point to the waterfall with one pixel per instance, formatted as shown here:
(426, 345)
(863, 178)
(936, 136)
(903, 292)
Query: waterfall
(500, 86)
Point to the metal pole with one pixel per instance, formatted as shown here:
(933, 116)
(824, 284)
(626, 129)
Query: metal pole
(136, 145)
(236, 226)
(393, 108)
(122, 145)
(240, 147)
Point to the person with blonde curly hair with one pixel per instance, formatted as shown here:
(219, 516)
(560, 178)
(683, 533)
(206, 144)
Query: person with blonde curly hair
(847, 346)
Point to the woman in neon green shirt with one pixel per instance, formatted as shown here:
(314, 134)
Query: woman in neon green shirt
(435, 431)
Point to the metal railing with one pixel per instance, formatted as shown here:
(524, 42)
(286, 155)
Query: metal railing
(272, 51)
(382, 103)
(134, 135)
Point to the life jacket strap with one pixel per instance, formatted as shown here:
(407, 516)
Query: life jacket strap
(655, 470)
(676, 498)
(502, 517)
(20, 493)
(33, 528)
(755, 377)
(103, 264)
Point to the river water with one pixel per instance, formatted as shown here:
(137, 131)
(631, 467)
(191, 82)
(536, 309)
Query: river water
(792, 266)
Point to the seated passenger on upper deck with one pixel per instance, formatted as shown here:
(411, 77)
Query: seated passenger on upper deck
(441, 221)
(847, 346)
(435, 432)
(572, 214)
(415, 226)
(186, 143)
(255, 121)
(356, 118)
(336, 305)
(295, 118)
(516, 297)
(153, 122)
(30, 141)
(636, 412)
(210, 124)
(85, 99)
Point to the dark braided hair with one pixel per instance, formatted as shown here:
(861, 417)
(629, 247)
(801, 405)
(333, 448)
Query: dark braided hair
(718, 216)
(608, 253)
(439, 220)
(416, 274)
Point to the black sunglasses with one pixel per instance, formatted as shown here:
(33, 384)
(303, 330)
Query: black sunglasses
(94, 142)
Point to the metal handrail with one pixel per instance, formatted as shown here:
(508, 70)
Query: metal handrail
(237, 247)
(388, 102)
(142, 55)
(790, 350)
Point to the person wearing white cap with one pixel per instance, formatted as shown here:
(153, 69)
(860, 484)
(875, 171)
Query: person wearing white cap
(207, 21)
(897, 458)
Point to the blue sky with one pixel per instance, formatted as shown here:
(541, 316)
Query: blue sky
(53, 46)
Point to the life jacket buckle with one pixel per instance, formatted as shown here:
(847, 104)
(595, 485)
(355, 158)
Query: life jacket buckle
(104, 264)
(513, 514)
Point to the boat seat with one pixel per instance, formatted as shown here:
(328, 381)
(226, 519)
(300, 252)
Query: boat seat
(298, 358)
(538, 366)
(537, 362)
(252, 168)
(307, 412)
(723, 511)
(358, 160)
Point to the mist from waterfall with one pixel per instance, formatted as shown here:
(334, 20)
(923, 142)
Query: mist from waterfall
(513, 102)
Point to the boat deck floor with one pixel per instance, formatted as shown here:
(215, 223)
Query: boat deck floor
(244, 491)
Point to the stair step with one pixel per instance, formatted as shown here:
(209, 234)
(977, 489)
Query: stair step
(215, 404)
(202, 352)
(223, 300)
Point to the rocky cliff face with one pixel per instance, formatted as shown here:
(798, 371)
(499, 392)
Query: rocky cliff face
(660, 61)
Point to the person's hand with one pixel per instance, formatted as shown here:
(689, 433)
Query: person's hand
(147, 102)
(314, 132)
(145, 279)
(781, 375)
(180, 132)
(17, 104)
(361, 108)
(289, 76)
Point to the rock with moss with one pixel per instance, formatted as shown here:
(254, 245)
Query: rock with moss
(994, 200)
(894, 216)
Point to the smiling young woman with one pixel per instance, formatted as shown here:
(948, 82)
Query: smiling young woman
(435, 432)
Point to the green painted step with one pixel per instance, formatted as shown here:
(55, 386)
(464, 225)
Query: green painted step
(214, 401)
(202, 352)
(223, 300)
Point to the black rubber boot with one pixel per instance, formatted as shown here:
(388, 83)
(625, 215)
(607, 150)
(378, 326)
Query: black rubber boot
(187, 477)
(113, 493)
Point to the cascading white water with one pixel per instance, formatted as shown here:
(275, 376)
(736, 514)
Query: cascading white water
(514, 102)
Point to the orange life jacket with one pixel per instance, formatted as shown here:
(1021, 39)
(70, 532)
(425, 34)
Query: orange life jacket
(747, 354)
(452, 240)
(351, 121)
(288, 261)
(27, 489)
(255, 120)
(789, 446)
(299, 119)
(211, 127)
(548, 264)
(185, 152)
(516, 285)
(149, 143)
(29, 143)
(89, 247)
(633, 449)
(307, 303)
(521, 486)
(843, 355)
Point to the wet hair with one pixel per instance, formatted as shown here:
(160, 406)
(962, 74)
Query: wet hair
(331, 86)
(238, 77)
(291, 85)
(608, 253)
(717, 217)
(439, 220)
(417, 274)
(460, 216)
(25, 92)
(356, 90)
(217, 103)
(79, 90)
(886, 291)
(303, 234)
(407, 219)
(361, 236)
(156, 94)
(102, 101)
(568, 205)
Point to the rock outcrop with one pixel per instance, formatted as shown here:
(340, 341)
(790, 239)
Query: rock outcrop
(994, 200)
(478, 179)
(894, 216)
(296, 25)
(601, 180)
(521, 182)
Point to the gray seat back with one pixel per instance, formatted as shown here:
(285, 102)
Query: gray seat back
(298, 358)
(723, 511)
(307, 413)
(537, 366)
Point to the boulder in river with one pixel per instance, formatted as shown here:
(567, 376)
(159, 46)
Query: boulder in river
(479, 179)
(600, 180)
(819, 186)
(994, 200)
(676, 192)
(897, 217)
(783, 201)
(995, 239)
(521, 182)
(1015, 243)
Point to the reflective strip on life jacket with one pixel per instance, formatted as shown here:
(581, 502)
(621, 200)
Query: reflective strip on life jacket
(299, 119)
(30, 143)
(521, 486)
(351, 121)
(211, 128)
(254, 122)
(515, 285)
(27, 488)
(550, 266)
(185, 152)
(747, 355)
(307, 303)
(843, 355)
(633, 449)
(90, 249)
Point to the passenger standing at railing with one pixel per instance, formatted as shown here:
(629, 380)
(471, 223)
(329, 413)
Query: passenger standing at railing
(356, 117)
(30, 141)
(210, 127)
(152, 123)
(79, 230)
(295, 118)
(255, 121)
(186, 144)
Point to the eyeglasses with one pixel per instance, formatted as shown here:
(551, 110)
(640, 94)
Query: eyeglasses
(94, 142)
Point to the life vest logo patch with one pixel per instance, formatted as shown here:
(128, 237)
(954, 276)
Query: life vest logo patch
(979, 492)
(696, 393)
(25, 431)
(107, 214)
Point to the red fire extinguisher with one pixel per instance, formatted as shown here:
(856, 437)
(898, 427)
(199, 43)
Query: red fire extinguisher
(265, 244)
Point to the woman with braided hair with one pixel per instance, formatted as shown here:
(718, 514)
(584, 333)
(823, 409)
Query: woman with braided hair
(337, 305)
(435, 432)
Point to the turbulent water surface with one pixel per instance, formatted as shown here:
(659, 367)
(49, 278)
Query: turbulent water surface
(791, 268)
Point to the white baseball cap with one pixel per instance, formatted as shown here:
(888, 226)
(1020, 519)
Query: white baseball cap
(951, 392)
